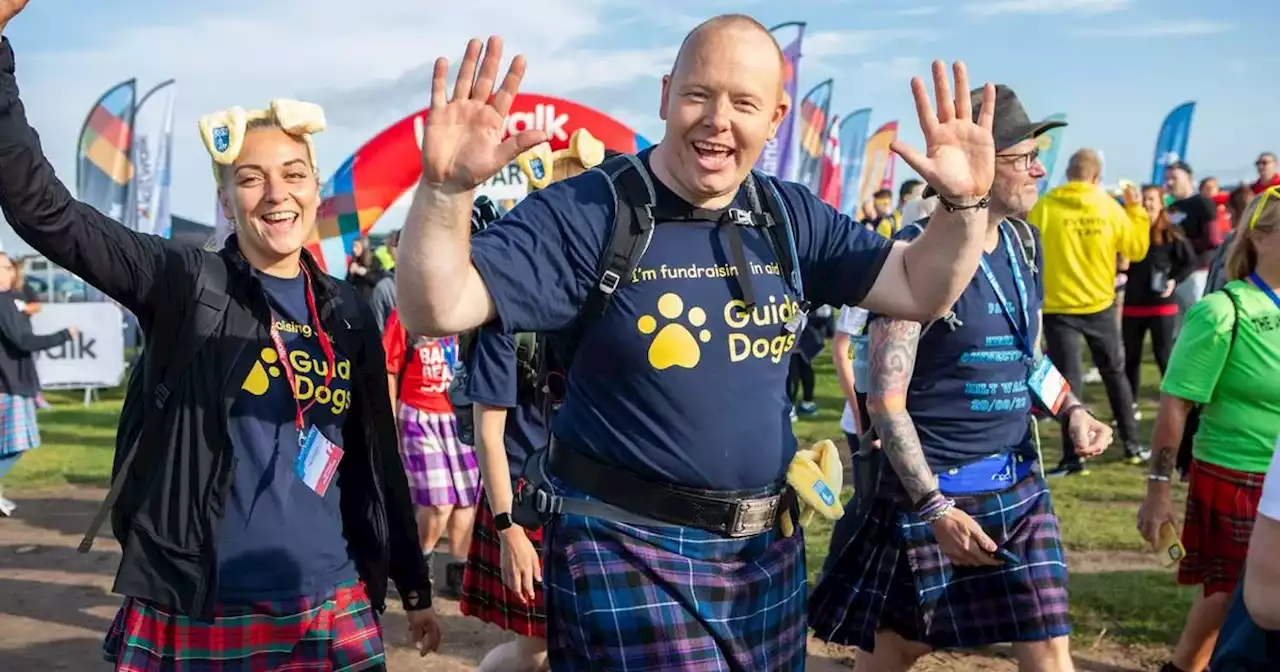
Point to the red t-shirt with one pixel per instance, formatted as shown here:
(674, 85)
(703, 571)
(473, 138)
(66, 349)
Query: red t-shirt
(425, 375)
(1259, 186)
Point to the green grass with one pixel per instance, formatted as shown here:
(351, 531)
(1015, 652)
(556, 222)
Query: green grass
(1097, 512)
(77, 443)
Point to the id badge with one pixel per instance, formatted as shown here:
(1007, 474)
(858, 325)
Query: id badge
(317, 461)
(1048, 385)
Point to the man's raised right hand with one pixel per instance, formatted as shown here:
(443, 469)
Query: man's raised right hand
(463, 144)
(10, 9)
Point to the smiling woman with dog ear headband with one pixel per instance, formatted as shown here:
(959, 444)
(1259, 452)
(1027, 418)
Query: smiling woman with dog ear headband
(256, 475)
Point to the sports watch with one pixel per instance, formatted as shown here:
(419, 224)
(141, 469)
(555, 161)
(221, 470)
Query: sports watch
(502, 521)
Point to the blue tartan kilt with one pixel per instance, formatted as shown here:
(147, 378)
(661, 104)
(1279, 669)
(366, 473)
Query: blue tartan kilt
(623, 597)
(892, 575)
(19, 432)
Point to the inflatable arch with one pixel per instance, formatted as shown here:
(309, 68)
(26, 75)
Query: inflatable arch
(390, 164)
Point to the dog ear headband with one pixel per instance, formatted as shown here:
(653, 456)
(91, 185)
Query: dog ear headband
(223, 132)
(537, 163)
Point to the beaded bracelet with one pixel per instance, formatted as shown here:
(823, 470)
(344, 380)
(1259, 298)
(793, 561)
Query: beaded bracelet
(935, 503)
(940, 512)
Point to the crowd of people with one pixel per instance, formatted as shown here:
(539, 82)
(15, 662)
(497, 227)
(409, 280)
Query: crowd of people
(606, 443)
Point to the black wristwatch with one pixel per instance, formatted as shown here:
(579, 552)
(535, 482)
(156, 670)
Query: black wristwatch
(502, 521)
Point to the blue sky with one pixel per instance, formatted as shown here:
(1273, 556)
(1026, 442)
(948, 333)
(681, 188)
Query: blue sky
(1115, 67)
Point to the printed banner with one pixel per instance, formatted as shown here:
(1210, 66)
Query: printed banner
(831, 181)
(1171, 144)
(777, 159)
(103, 167)
(853, 143)
(877, 162)
(94, 358)
(1048, 143)
(812, 126)
(152, 152)
(389, 165)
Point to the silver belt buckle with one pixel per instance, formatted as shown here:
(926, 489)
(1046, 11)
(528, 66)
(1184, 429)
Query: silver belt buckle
(754, 516)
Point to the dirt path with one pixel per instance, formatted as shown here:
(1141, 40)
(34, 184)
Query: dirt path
(55, 604)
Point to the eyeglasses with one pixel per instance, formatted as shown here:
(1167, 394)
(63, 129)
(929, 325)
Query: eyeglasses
(1022, 162)
(1270, 193)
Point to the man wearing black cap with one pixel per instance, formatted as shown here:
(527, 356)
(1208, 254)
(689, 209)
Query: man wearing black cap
(958, 544)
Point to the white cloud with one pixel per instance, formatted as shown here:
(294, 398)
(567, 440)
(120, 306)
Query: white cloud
(368, 62)
(1004, 7)
(829, 43)
(1186, 28)
(912, 12)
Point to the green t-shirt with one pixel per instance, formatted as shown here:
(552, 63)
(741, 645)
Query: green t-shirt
(1240, 392)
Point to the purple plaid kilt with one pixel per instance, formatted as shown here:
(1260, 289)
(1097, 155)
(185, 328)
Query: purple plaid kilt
(621, 597)
(893, 576)
(442, 470)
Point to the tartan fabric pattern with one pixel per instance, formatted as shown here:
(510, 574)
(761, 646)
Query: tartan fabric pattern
(622, 597)
(892, 575)
(485, 596)
(20, 433)
(337, 634)
(1222, 504)
(442, 470)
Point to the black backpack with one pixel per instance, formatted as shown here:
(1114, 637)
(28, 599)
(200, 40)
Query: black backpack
(544, 361)
(160, 367)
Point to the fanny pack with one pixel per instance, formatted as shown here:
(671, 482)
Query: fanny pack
(993, 473)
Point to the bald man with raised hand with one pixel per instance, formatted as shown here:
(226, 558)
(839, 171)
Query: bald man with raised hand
(669, 453)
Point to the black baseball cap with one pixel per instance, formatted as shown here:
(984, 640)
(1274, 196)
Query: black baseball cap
(1011, 124)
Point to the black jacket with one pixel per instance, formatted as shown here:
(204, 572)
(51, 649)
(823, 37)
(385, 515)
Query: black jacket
(167, 516)
(1175, 259)
(18, 346)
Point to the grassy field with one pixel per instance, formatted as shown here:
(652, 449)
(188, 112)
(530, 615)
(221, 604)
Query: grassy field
(1096, 511)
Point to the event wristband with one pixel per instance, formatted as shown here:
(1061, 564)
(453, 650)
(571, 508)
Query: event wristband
(1159, 477)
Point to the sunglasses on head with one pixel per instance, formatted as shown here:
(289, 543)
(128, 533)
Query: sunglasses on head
(1270, 193)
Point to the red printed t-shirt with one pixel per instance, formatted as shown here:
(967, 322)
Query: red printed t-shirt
(425, 375)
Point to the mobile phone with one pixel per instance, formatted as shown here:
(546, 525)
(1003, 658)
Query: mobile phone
(1008, 556)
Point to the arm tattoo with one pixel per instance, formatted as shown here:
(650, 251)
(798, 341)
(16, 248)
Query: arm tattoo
(1164, 461)
(892, 353)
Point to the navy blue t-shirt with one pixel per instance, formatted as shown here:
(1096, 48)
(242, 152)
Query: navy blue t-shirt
(279, 539)
(676, 381)
(968, 395)
(491, 380)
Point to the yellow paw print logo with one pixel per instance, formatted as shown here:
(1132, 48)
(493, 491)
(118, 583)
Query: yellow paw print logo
(675, 344)
(259, 378)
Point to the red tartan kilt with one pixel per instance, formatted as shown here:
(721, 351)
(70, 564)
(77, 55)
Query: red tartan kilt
(1221, 507)
(484, 596)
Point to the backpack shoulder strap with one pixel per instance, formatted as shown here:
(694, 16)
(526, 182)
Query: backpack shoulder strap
(779, 227)
(203, 318)
(1028, 239)
(1235, 315)
(633, 197)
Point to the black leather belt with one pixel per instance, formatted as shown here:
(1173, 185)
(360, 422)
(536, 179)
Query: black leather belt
(727, 513)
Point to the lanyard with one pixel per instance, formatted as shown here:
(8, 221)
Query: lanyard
(325, 345)
(1020, 330)
(1266, 289)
